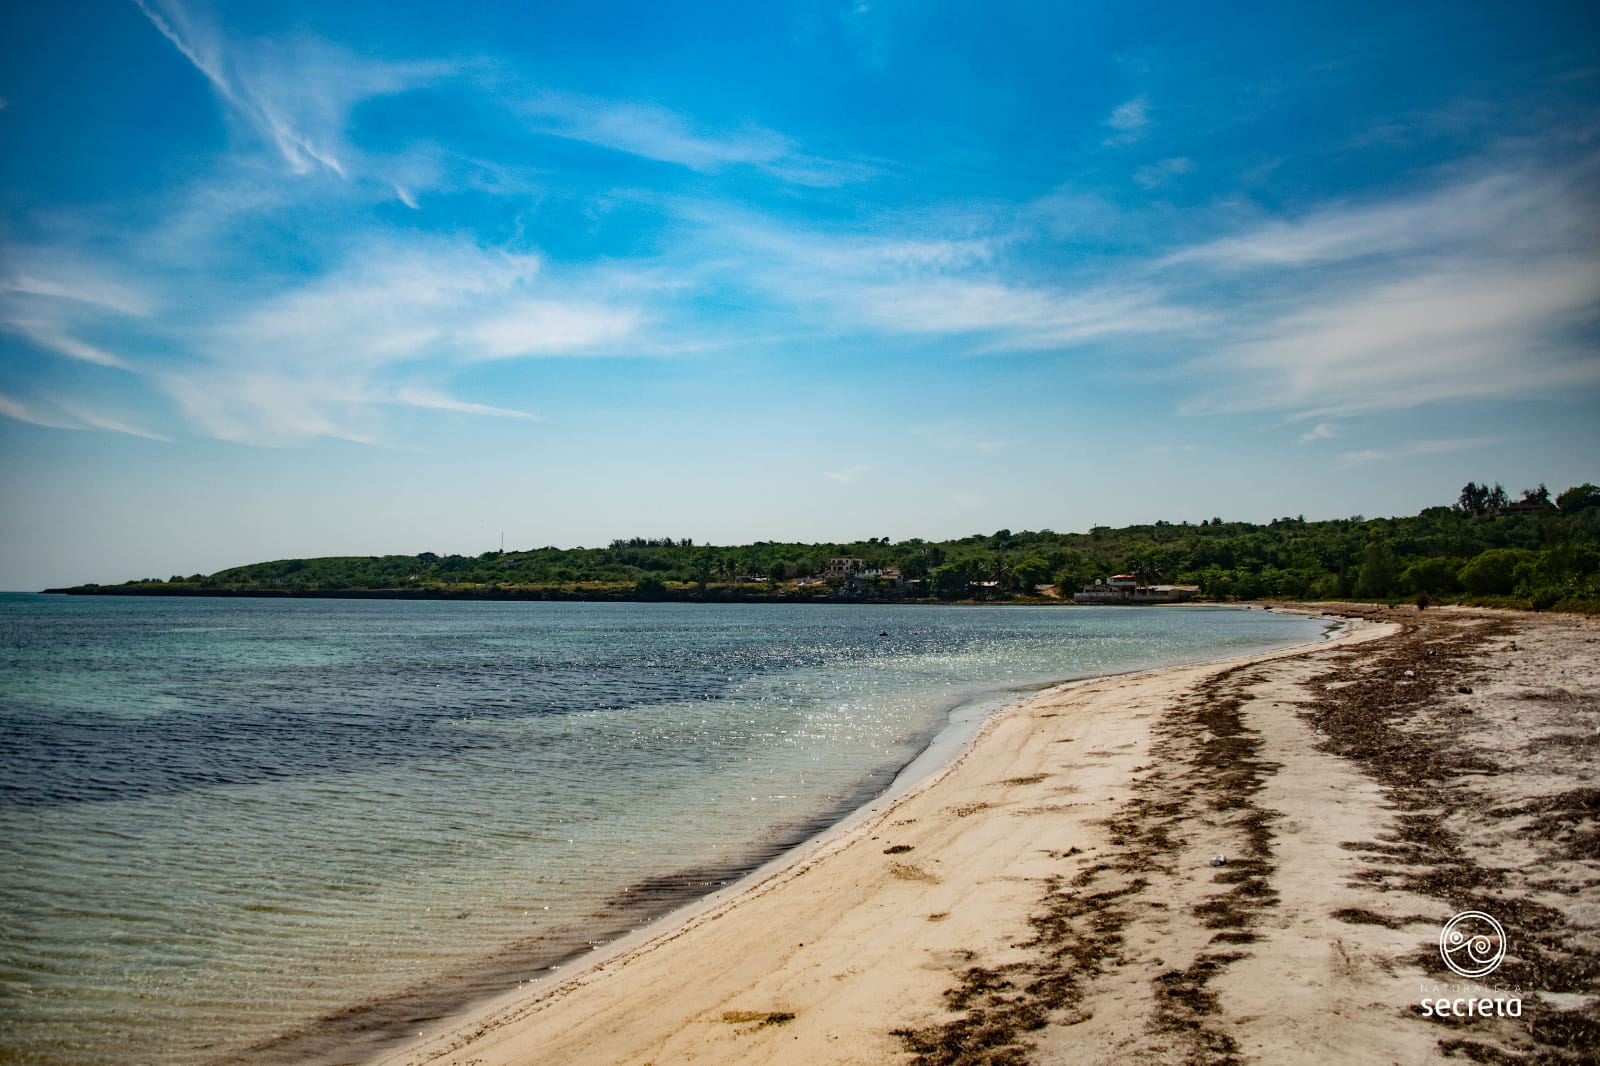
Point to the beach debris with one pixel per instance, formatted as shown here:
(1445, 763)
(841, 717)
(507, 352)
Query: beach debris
(1465, 690)
(907, 872)
(760, 1017)
(1410, 673)
(883, 633)
(897, 849)
(1219, 860)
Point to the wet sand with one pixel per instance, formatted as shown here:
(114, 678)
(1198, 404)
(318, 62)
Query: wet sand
(1055, 896)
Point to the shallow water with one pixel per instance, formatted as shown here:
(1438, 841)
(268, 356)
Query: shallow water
(224, 824)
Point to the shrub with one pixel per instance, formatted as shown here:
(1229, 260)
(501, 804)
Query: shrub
(1491, 573)
(1433, 576)
(1378, 569)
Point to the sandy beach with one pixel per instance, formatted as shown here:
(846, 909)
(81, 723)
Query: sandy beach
(1248, 860)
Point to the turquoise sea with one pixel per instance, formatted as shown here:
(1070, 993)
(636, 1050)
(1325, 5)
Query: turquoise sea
(285, 830)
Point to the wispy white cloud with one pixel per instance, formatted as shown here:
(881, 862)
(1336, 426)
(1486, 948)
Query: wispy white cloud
(1513, 209)
(1473, 289)
(1074, 216)
(1481, 331)
(97, 420)
(82, 287)
(547, 327)
(236, 404)
(321, 357)
(1133, 115)
(438, 401)
(1460, 118)
(1161, 172)
(21, 412)
(52, 337)
(668, 136)
(297, 95)
(1476, 290)
(847, 475)
(651, 132)
(49, 298)
(918, 284)
(67, 415)
(1444, 336)
(1020, 317)
(928, 254)
(1320, 431)
(318, 359)
(1414, 448)
(1129, 119)
(809, 258)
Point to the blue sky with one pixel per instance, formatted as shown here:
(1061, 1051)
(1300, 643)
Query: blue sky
(304, 279)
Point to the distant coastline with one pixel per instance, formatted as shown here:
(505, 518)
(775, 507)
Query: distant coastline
(621, 594)
(1486, 550)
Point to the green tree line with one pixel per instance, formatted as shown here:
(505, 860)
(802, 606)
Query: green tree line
(1486, 548)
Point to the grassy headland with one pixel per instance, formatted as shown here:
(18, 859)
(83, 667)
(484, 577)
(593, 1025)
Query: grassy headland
(1486, 549)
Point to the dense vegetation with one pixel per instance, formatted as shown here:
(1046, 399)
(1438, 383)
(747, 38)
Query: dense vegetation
(1487, 548)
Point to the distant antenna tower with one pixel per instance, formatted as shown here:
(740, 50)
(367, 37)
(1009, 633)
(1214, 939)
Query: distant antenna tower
(502, 542)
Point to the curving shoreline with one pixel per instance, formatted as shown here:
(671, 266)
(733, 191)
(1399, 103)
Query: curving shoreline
(908, 916)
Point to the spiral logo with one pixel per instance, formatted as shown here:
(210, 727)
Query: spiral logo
(1472, 944)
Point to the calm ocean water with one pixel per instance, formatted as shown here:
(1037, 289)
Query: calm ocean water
(282, 830)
